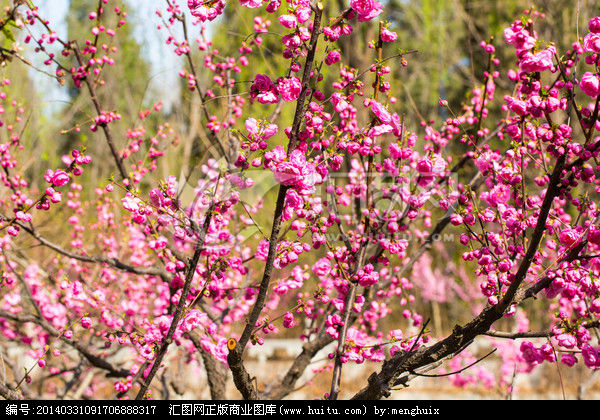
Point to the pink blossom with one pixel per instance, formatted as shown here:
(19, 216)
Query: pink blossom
(313, 267)
(379, 130)
(86, 322)
(296, 172)
(568, 359)
(263, 90)
(395, 151)
(289, 88)
(362, 7)
(504, 266)
(530, 353)
(251, 4)
(590, 355)
(332, 58)
(538, 62)
(424, 166)
(590, 85)
(595, 306)
(261, 83)
(388, 36)
(594, 25)
(519, 37)
(456, 219)
(367, 276)
(381, 113)
(258, 130)
(130, 203)
(292, 40)
(288, 21)
(294, 200)
(273, 6)
(569, 237)
(339, 102)
(322, 267)
(156, 197)
(288, 320)
(274, 156)
(366, 9)
(517, 106)
(57, 178)
(206, 10)
(302, 13)
(269, 131)
(172, 186)
(591, 43)
(566, 340)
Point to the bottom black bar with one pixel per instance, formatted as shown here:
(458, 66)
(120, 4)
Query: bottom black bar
(313, 408)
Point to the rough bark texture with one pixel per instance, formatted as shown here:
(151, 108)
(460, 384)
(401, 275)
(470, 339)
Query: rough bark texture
(216, 373)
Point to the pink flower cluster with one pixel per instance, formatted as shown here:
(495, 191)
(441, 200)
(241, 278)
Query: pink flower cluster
(366, 9)
(267, 92)
(367, 276)
(591, 356)
(264, 90)
(536, 355)
(524, 41)
(57, 178)
(590, 83)
(206, 10)
(293, 170)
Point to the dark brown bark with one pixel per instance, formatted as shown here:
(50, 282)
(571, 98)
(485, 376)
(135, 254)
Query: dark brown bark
(288, 383)
(216, 373)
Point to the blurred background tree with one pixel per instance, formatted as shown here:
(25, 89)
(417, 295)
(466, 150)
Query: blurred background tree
(125, 88)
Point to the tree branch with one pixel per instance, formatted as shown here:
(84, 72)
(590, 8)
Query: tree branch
(94, 359)
(241, 378)
(215, 371)
(180, 305)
